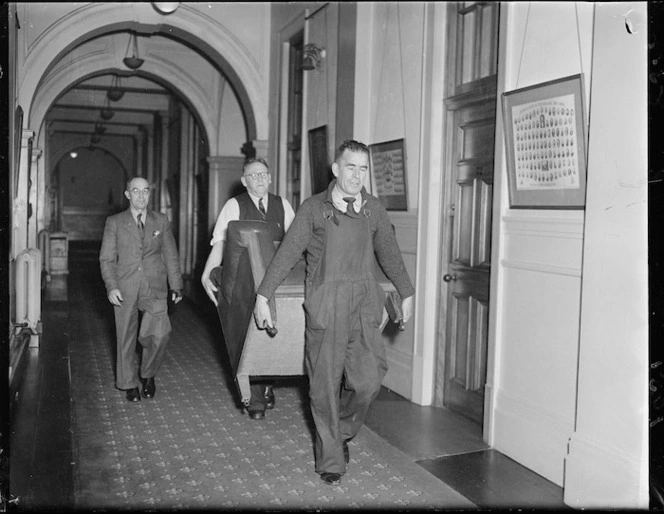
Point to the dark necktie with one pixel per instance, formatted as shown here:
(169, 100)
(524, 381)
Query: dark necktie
(140, 224)
(261, 208)
(350, 208)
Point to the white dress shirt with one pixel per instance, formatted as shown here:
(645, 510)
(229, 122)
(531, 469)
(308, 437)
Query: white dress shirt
(231, 212)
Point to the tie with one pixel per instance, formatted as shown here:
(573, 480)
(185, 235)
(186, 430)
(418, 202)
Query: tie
(140, 224)
(261, 208)
(350, 208)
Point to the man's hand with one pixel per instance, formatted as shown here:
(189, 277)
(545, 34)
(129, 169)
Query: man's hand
(176, 295)
(210, 288)
(262, 313)
(115, 297)
(407, 306)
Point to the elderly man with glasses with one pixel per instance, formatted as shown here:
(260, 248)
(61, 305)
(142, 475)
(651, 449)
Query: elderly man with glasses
(138, 260)
(256, 203)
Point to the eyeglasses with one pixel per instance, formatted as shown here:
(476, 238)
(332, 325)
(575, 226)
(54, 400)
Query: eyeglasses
(255, 176)
(144, 192)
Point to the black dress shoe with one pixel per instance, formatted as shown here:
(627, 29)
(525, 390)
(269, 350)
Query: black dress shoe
(133, 395)
(149, 387)
(257, 414)
(269, 397)
(346, 452)
(331, 478)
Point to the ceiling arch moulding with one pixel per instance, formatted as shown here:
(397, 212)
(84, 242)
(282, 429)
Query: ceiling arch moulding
(186, 24)
(59, 83)
(69, 144)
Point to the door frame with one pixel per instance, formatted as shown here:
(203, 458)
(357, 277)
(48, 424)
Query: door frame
(446, 232)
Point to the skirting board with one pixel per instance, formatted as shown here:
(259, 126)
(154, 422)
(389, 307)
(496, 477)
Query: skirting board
(533, 437)
(598, 477)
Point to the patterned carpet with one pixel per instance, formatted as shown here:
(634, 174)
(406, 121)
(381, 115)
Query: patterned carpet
(193, 447)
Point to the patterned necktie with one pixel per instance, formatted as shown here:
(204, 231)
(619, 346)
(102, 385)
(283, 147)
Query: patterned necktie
(261, 208)
(350, 208)
(140, 224)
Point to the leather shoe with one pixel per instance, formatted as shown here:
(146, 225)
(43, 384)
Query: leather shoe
(149, 387)
(346, 452)
(133, 395)
(269, 397)
(331, 478)
(257, 414)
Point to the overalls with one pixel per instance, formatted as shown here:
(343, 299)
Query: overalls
(343, 308)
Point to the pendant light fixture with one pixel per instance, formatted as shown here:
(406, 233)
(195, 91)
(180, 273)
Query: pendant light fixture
(133, 62)
(116, 92)
(106, 111)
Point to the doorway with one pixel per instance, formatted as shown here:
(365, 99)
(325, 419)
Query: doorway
(470, 104)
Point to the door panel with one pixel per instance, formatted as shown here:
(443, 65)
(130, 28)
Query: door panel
(470, 106)
(469, 267)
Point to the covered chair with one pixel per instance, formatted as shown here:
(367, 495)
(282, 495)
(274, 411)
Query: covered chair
(252, 351)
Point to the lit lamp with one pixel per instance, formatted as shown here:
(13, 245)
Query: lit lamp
(116, 92)
(133, 62)
(312, 57)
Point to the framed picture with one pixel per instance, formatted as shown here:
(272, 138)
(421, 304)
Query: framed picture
(321, 170)
(546, 145)
(388, 165)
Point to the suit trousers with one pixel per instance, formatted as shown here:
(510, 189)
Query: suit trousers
(154, 335)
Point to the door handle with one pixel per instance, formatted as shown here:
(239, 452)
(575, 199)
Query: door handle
(449, 278)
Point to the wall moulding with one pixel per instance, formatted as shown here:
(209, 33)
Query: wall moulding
(567, 228)
(538, 267)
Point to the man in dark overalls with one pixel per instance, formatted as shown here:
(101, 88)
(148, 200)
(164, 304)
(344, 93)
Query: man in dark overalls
(256, 203)
(340, 230)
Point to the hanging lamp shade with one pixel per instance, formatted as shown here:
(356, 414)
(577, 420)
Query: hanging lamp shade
(116, 92)
(166, 7)
(133, 62)
(106, 111)
(95, 139)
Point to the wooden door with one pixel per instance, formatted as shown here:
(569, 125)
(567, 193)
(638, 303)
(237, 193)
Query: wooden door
(470, 128)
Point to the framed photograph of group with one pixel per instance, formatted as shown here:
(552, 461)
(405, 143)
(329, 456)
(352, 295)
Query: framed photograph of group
(546, 145)
(388, 165)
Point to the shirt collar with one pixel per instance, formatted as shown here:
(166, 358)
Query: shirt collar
(340, 203)
(135, 213)
(255, 199)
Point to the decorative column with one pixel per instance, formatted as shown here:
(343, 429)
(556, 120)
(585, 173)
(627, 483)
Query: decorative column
(139, 145)
(20, 196)
(35, 198)
(185, 172)
(261, 149)
(225, 173)
(165, 203)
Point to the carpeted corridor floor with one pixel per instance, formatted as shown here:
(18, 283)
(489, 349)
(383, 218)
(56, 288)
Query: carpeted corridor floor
(193, 447)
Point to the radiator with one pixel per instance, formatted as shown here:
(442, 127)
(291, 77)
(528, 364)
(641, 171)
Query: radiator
(28, 290)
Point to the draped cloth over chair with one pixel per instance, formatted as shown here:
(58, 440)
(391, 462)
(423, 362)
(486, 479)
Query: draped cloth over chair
(253, 352)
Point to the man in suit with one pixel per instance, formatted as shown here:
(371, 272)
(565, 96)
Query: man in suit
(256, 203)
(139, 259)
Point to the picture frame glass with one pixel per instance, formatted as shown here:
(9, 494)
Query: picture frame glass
(545, 145)
(388, 166)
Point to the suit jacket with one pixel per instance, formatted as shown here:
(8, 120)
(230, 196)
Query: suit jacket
(125, 258)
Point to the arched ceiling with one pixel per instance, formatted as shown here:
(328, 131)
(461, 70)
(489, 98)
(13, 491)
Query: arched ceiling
(77, 110)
